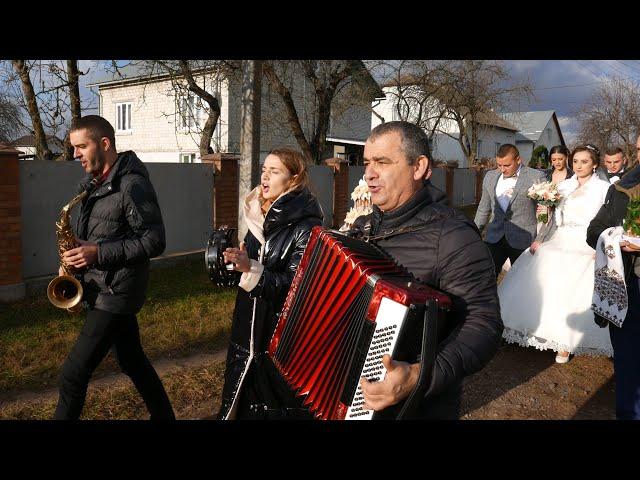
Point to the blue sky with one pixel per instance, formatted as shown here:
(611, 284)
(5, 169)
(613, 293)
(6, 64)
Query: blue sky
(560, 85)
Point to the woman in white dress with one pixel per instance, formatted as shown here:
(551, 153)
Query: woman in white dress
(545, 298)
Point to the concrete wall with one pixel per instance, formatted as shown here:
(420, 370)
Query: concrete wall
(322, 187)
(464, 186)
(45, 187)
(355, 174)
(438, 178)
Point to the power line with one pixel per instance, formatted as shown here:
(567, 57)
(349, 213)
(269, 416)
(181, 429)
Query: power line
(568, 86)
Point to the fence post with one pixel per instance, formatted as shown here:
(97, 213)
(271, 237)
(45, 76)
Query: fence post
(448, 183)
(225, 188)
(341, 192)
(12, 285)
(480, 173)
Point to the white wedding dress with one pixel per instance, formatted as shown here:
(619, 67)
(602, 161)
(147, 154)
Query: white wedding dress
(545, 298)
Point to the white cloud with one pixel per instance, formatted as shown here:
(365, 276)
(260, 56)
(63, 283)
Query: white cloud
(565, 122)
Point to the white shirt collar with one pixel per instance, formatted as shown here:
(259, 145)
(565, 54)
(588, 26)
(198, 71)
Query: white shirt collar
(502, 177)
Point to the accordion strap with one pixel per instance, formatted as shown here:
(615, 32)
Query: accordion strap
(427, 361)
(395, 231)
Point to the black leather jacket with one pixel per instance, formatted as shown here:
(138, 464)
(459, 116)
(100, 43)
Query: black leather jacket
(287, 227)
(123, 217)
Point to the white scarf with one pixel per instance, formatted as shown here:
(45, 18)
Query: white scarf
(610, 299)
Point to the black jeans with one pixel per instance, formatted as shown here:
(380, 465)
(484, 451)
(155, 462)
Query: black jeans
(103, 331)
(500, 252)
(626, 357)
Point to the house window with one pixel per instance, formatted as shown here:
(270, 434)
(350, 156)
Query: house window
(479, 149)
(190, 112)
(123, 117)
(187, 157)
(497, 148)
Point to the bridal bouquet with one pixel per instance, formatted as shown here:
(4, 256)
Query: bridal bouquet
(544, 193)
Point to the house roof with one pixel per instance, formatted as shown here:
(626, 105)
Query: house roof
(30, 141)
(135, 72)
(532, 124)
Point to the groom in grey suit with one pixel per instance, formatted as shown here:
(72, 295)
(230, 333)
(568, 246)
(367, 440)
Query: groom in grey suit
(504, 196)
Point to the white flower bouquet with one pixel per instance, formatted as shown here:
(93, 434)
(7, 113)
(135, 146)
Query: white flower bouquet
(544, 193)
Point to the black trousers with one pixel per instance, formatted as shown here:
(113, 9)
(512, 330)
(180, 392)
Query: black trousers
(500, 252)
(626, 357)
(101, 332)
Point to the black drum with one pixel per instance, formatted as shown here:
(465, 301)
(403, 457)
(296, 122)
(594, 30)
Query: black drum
(221, 274)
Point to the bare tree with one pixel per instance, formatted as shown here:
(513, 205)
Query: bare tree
(23, 70)
(455, 98)
(195, 84)
(611, 116)
(308, 115)
(472, 91)
(9, 123)
(416, 90)
(49, 93)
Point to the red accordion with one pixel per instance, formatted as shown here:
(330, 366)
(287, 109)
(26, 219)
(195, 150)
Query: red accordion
(349, 304)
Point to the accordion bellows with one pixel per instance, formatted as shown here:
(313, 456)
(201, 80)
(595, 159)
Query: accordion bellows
(349, 304)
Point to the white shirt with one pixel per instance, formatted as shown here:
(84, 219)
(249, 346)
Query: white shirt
(504, 189)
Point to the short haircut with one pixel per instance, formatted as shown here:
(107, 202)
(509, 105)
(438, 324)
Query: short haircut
(414, 141)
(96, 127)
(613, 151)
(561, 149)
(508, 149)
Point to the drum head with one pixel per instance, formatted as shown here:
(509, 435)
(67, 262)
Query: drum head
(220, 274)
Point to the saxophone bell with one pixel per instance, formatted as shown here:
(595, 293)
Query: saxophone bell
(65, 291)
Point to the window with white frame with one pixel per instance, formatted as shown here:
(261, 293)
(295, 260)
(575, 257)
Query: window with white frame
(190, 112)
(123, 117)
(187, 157)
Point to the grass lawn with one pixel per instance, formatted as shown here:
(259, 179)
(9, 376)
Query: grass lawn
(194, 393)
(184, 314)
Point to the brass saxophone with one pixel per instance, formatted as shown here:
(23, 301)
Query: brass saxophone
(65, 291)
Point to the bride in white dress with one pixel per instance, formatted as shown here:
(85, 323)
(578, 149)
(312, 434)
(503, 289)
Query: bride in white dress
(545, 298)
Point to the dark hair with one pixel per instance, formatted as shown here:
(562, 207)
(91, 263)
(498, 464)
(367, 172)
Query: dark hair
(295, 163)
(613, 151)
(593, 152)
(414, 141)
(561, 149)
(508, 149)
(96, 127)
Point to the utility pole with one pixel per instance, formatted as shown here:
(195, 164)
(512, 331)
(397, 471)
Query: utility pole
(249, 167)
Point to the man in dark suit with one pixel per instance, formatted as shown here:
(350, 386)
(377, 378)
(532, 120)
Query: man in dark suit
(616, 163)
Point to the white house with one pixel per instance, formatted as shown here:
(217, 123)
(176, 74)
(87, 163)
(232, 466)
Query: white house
(149, 117)
(535, 129)
(27, 144)
(493, 131)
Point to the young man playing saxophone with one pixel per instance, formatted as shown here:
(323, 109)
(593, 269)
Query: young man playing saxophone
(118, 229)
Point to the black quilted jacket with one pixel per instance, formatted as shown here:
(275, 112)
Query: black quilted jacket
(123, 216)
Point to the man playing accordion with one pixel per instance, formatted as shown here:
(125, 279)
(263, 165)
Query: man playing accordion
(443, 250)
